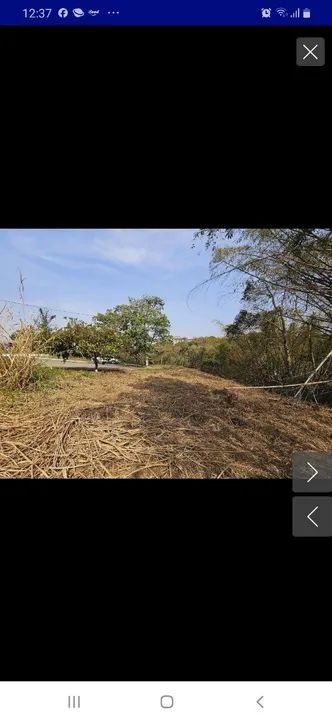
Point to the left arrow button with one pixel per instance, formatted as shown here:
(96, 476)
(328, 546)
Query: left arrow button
(312, 516)
(309, 516)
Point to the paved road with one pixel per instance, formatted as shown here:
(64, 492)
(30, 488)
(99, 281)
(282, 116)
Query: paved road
(77, 364)
(80, 364)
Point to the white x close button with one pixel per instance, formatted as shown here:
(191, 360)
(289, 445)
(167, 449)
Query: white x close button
(310, 52)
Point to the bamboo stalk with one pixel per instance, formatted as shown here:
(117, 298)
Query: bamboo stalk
(307, 382)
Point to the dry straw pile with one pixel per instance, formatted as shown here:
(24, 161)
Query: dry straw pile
(154, 423)
(18, 358)
(16, 367)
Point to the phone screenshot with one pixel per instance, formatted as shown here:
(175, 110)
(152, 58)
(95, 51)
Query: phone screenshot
(166, 360)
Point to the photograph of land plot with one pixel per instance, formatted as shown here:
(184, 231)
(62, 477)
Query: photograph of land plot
(164, 353)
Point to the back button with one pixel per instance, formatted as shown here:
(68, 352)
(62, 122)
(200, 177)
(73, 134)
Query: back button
(312, 516)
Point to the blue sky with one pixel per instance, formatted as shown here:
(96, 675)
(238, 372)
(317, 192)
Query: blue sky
(88, 271)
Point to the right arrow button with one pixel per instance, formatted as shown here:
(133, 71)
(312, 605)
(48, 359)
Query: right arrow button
(315, 472)
(312, 472)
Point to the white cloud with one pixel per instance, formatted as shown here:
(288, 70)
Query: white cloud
(169, 249)
(78, 263)
(130, 254)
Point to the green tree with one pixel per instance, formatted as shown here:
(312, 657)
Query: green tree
(294, 266)
(43, 326)
(87, 340)
(43, 321)
(163, 353)
(140, 324)
(244, 321)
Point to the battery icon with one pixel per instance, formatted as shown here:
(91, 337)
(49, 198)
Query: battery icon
(306, 13)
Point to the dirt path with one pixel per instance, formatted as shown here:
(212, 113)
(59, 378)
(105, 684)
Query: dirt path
(155, 423)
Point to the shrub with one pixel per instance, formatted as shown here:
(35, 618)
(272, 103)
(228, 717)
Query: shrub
(18, 363)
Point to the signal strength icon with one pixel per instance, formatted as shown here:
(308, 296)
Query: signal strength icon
(296, 13)
(282, 12)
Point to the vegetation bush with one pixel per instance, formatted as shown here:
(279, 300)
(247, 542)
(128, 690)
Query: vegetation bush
(17, 367)
(256, 357)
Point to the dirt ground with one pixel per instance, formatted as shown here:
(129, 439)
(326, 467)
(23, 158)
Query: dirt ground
(155, 423)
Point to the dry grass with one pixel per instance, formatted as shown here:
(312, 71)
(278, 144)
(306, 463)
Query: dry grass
(18, 365)
(151, 423)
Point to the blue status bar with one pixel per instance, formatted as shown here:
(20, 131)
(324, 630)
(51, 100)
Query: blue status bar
(166, 12)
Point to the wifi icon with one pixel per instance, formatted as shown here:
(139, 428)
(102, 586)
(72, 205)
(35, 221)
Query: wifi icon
(282, 12)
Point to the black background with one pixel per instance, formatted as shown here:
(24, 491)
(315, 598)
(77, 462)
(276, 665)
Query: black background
(161, 127)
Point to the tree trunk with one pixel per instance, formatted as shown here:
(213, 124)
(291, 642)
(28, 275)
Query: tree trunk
(311, 348)
(287, 355)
